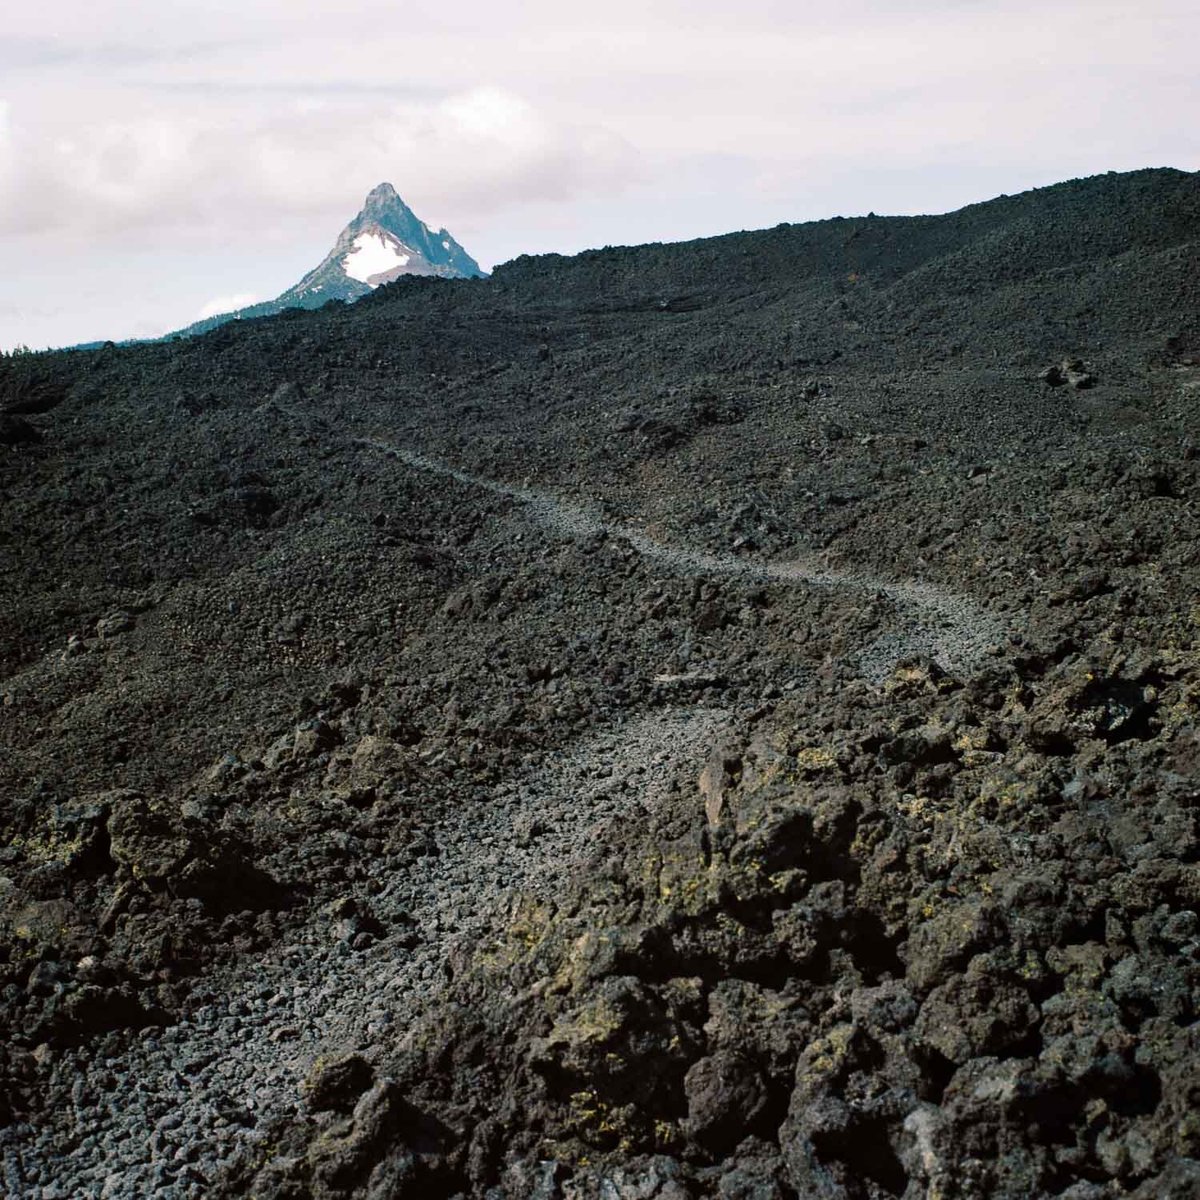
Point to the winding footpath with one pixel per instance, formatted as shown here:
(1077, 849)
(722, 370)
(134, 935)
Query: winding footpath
(952, 629)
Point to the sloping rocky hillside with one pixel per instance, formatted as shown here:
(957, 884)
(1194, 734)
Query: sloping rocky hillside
(710, 720)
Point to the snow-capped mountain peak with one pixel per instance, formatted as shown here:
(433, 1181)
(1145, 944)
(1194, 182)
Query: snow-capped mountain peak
(386, 240)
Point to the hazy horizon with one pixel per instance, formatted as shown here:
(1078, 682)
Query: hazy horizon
(158, 166)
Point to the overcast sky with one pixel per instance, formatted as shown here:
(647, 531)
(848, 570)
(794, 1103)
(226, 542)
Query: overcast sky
(164, 158)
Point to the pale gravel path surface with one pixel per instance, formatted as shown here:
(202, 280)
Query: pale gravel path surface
(161, 1120)
(952, 629)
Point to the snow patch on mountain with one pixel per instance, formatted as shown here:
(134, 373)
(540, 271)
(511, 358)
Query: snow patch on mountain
(374, 254)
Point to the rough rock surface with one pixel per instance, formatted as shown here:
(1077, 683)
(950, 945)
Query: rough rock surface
(717, 720)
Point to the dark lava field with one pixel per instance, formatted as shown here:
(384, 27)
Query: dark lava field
(706, 720)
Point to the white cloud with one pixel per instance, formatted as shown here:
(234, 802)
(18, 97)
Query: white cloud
(473, 110)
(225, 304)
(7, 170)
(197, 170)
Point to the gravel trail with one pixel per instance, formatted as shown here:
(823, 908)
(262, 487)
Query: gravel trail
(162, 1119)
(953, 629)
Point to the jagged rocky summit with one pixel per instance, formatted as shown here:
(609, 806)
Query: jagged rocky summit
(385, 241)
